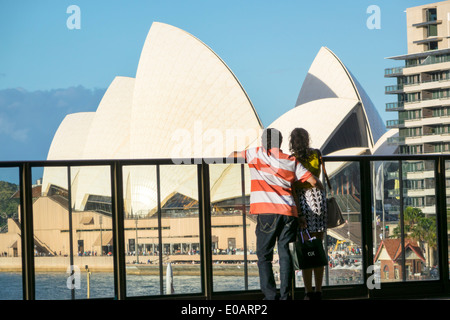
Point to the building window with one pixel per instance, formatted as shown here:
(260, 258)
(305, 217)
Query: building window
(386, 272)
(432, 30)
(396, 273)
(440, 94)
(439, 76)
(411, 149)
(431, 14)
(442, 147)
(410, 114)
(412, 97)
(437, 59)
(433, 45)
(412, 62)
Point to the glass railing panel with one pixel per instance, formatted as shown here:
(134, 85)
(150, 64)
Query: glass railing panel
(10, 240)
(69, 222)
(144, 270)
(391, 71)
(419, 222)
(233, 237)
(252, 259)
(56, 277)
(180, 222)
(394, 106)
(92, 229)
(405, 243)
(385, 213)
(393, 88)
(343, 244)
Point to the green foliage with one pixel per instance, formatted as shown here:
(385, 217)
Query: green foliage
(8, 206)
(418, 227)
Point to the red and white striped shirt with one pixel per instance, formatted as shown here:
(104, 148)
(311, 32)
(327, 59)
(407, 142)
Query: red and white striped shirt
(272, 174)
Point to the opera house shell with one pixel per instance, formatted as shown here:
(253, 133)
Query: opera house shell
(334, 108)
(186, 103)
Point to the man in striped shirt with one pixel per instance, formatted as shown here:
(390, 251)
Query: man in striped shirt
(272, 174)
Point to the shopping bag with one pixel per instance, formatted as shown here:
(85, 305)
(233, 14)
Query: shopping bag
(307, 254)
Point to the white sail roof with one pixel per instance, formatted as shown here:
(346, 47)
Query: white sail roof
(184, 103)
(328, 77)
(333, 108)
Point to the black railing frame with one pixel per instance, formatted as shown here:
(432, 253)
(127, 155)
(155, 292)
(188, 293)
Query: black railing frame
(438, 287)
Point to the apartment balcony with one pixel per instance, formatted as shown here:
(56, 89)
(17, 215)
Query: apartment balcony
(392, 124)
(429, 140)
(427, 66)
(393, 89)
(421, 174)
(426, 85)
(412, 192)
(419, 192)
(393, 72)
(430, 61)
(396, 140)
(424, 103)
(394, 106)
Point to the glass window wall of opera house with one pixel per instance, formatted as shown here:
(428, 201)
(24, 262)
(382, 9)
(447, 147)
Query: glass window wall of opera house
(194, 236)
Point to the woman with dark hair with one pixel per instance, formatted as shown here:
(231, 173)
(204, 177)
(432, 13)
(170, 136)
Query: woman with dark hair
(311, 204)
(272, 174)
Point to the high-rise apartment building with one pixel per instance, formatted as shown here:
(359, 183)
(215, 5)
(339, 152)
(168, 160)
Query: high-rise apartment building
(422, 89)
(423, 82)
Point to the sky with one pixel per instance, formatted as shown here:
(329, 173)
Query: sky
(49, 69)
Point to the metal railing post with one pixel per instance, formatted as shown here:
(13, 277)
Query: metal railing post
(69, 200)
(366, 218)
(160, 243)
(118, 230)
(205, 229)
(26, 218)
(244, 224)
(402, 220)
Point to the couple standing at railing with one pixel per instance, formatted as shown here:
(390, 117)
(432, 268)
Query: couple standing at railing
(280, 183)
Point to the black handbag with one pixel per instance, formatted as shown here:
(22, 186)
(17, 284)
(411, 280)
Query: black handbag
(334, 213)
(307, 254)
(334, 218)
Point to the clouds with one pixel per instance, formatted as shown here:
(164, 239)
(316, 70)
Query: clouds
(29, 119)
(9, 128)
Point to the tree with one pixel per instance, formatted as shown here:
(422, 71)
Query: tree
(8, 205)
(418, 227)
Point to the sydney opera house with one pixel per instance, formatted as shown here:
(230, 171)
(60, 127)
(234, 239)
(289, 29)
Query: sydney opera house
(185, 103)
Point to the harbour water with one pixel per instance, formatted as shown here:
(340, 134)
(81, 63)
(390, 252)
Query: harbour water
(54, 285)
(59, 285)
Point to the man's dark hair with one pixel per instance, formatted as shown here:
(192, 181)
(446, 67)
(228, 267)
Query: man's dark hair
(271, 138)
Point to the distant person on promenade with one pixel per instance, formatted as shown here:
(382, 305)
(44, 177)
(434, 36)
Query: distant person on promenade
(311, 203)
(272, 174)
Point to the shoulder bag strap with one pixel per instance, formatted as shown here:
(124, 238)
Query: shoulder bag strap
(324, 171)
